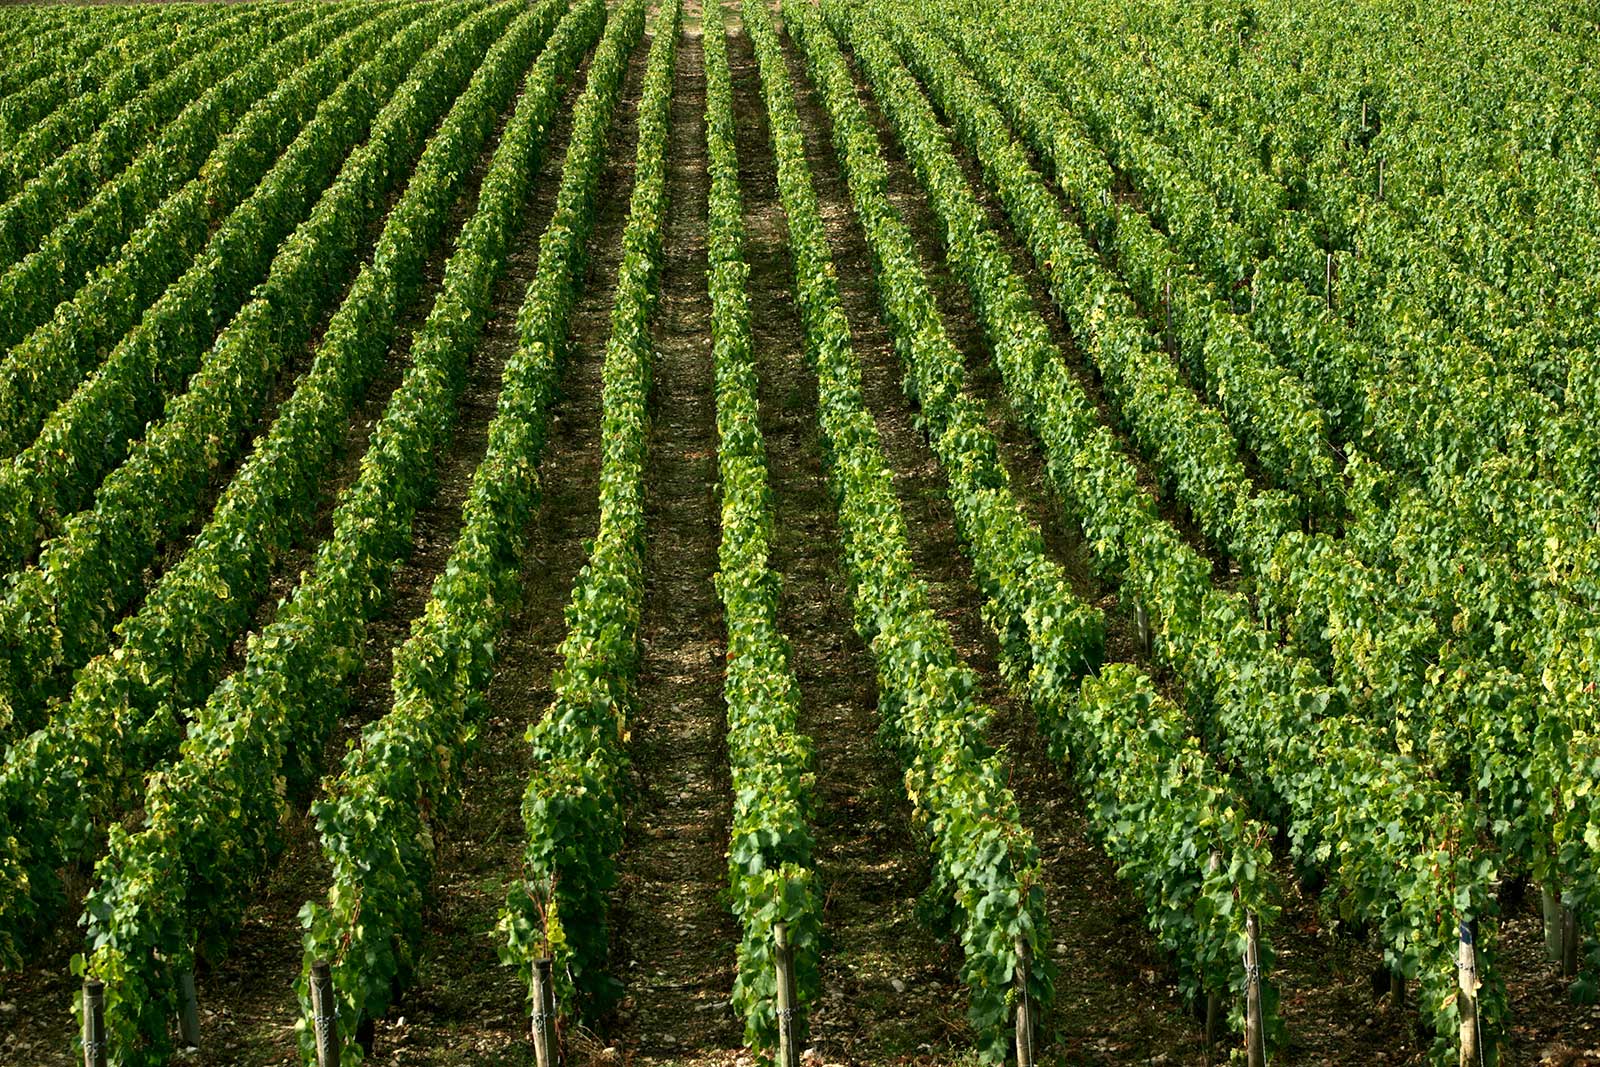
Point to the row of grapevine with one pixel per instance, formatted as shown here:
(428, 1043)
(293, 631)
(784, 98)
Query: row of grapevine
(70, 179)
(1336, 608)
(153, 54)
(1294, 255)
(60, 784)
(1505, 211)
(96, 566)
(53, 270)
(1473, 404)
(1130, 749)
(770, 871)
(40, 53)
(1346, 802)
(1378, 641)
(211, 822)
(985, 863)
(572, 809)
(68, 323)
(91, 432)
(377, 818)
(1198, 225)
(1476, 706)
(1505, 559)
(91, 53)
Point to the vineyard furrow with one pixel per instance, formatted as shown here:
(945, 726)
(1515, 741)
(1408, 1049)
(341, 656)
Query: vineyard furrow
(671, 902)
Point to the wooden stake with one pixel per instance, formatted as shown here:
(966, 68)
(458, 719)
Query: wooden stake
(1380, 177)
(1024, 1005)
(1363, 114)
(1141, 619)
(94, 1023)
(1571, 940)
(545, 1052)
(1213, 997)
(1550, 900)
(1467, 996)
(788, 1036)
(1327, 280)
(1166, 302)
(325, 1014)
(1213, 1020)
(1255, 1037)
(188, 1010)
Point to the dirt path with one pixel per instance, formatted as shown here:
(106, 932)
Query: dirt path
(871, 866)
(673, 940)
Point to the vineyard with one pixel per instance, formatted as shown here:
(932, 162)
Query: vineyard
(701, 533)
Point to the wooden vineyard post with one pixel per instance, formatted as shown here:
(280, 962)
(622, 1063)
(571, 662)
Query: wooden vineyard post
(788, 1036)
(1166, 302)
(1213, 1018)
(1024, 1005)
(1255, 1037)
(1467, 996)
(325, 1014)
(1554, 925)
(1380, 177)
(1141, 619)
(1213, 997)
(94, 1023)
(1570, 941)
(188, 1010)
(544, 1013)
